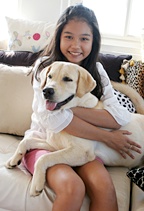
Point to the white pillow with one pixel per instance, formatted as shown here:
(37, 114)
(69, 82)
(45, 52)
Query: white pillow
(26, 35)
(16, 95)
(3, 44)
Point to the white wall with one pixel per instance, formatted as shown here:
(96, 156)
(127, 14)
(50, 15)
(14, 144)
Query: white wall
(43, 10)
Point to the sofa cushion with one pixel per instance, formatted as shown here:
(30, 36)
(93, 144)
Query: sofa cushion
(122, 186)
(18, 58)
(27, 35)
(112, 64)
(16, 94)
(137, 198)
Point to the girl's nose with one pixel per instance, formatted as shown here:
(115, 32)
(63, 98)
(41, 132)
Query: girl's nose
(75, 43)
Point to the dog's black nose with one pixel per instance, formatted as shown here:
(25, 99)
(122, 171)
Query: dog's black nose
(48, 92)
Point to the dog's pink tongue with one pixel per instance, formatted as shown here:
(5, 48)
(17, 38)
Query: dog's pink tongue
(50, 105)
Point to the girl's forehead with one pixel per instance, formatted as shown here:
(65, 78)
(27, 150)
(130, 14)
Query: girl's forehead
(77, 26)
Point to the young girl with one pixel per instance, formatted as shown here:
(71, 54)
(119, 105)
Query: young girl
(77, 40)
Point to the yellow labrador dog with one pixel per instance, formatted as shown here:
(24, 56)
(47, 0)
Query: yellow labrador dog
(65, 85)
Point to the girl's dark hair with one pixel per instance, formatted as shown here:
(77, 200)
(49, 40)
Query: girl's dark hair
(78, 12)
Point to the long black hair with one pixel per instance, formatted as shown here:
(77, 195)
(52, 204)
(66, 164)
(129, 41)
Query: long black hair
(78, 12)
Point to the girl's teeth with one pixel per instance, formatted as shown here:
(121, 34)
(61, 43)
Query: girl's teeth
(75, 53)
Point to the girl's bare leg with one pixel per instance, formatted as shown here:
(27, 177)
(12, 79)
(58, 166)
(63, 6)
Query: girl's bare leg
(99, 186)
(68, 187)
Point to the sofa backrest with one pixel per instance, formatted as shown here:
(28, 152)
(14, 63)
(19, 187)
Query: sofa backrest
(16, 95)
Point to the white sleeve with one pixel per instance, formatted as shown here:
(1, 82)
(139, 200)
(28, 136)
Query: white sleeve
(36, 129)
(56, 121)
(52, 122)
(110, 102)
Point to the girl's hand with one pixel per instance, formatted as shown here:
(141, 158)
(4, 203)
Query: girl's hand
(122, 144)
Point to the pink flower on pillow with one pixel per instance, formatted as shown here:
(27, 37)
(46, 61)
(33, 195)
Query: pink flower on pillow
(36, 36)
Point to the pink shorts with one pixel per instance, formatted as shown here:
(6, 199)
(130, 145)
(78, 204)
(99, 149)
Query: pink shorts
(32, 156)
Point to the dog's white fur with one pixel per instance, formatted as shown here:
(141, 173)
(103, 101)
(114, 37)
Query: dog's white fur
(66, 79)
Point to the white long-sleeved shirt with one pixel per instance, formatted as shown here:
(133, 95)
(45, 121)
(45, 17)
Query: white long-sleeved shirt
(56, 121)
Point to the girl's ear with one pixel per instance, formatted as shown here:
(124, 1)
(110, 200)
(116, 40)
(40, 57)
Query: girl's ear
(43, 76)
(86, 83)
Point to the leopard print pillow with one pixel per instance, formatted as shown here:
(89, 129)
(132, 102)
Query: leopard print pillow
(134, 75)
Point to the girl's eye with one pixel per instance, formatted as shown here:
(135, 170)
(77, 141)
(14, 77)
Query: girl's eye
(69, 37)
(84, 39)
(67, 79)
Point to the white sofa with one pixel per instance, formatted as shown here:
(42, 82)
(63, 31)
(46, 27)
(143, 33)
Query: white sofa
(16, 96)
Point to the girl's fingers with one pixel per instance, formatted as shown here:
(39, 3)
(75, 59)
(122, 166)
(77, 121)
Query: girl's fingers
(122, 154)
(130, 154)
(125, 153)
(126, 132)
(128, 151)
(136, 149)
(132, 143)
(128, 146)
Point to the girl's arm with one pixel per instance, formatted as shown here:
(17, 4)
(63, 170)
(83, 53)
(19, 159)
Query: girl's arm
(110, 103)
(97, 117)
(115, 139)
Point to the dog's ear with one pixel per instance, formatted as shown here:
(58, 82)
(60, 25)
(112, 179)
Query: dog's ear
(86, 83)
(43, 76)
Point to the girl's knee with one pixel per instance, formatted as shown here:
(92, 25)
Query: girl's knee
(103, 183)
(63, 180)
(73, 186)
(96, 178)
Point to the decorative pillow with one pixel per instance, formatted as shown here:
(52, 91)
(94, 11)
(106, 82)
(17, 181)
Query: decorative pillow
(16, 95)
(134, 75)
(3, 44)
(18, 58)
(125, 101)
(137, 176)
(26, 35)
(112, 64)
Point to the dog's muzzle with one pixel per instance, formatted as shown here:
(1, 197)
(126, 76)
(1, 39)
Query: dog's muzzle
(50, 104)
(48, 93)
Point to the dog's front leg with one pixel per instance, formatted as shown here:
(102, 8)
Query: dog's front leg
(18, 155)
(38, 179)
(24, 146)
(73, 156)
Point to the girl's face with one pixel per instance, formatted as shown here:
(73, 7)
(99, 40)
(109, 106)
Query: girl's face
(76, 41)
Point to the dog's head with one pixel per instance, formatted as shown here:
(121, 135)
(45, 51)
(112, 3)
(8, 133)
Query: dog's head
(62, 81)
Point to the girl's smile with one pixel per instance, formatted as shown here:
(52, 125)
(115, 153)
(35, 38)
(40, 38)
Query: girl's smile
(76, 41)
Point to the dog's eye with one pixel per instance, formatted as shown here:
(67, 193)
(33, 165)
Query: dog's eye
(50, 76)
(67, 79)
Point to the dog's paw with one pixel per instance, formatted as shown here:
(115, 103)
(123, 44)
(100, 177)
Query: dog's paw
(37, 186)
(8, 165)
(13, 162)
